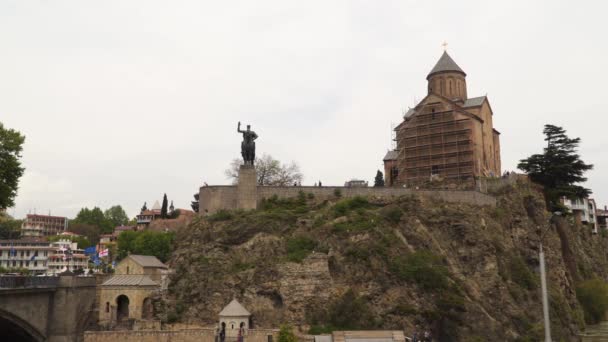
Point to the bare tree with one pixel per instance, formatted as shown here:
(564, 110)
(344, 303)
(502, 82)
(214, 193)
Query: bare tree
(269, 171)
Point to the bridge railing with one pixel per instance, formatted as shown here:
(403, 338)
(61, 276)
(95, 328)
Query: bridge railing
(13, 282)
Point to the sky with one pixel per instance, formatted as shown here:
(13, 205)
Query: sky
(122, 101)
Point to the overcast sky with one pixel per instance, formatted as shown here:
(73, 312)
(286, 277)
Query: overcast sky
(122, 101)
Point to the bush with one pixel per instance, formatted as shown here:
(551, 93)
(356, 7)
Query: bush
(346, 205)
(422, 268)
(299, 247)
(349, 312)
(520, 273)
(286, 334)
(392, 214)
(338, 193)
(220, 215)
(593, 296)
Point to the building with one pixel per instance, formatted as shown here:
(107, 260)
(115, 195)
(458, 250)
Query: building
(391, 171)
(119, 229)
(448, 135)
(43, 225)
(146, 216)
(66, 256)
(584, 211)
(602, 218)
(356, 183)
(127, 295)
(30, 253)
(234, 317)
(42, 257)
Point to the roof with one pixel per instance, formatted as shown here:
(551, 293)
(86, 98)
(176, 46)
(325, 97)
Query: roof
(409, 113)
(147, 261)
(130, 280)
(156, 206)
(445, 63)
(474, 102)
(235, 309)
(391, 155)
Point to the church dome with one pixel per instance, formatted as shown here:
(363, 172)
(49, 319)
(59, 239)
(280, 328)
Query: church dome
(445, 64)
(447, 79)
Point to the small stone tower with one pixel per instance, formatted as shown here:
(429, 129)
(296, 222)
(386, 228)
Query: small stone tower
(447, 79)
(233, 317)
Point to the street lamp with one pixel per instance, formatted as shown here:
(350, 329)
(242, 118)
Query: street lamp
(543, 285)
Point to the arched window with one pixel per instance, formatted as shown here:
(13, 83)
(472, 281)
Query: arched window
(107, 306)
(127, 269)
(450, 90)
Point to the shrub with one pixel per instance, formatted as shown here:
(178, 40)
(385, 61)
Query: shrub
(349, 312)
(310, 196)
(423, 268)
(286, 334)
(520, 273)
(349, 204)
(392, 214)
(593, 296)
(299, 247)
(220, 215)
(338, 193)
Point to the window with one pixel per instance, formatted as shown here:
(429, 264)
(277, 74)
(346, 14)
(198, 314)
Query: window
(107, 306)
(27, 264)
(1, 253)
(35, 263)
(127, 269)
(27, 253)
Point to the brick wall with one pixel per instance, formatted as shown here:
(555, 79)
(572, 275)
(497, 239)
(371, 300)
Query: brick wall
(214, 198)
(189, 335)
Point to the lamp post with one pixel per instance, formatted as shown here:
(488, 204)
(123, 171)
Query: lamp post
(543, 284)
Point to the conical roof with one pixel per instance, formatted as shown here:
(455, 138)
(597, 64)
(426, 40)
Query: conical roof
(234, 309)
(156, 206)
(445, 63)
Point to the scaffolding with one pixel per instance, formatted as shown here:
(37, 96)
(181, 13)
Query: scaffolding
(435, 144)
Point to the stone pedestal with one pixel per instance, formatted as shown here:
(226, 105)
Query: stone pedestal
(247, 189)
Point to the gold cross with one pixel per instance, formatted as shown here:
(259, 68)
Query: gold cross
(445, 46)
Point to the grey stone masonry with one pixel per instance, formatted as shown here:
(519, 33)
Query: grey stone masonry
(247, 194)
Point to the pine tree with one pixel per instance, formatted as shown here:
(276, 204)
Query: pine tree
(163, 209)
(379, 180)
(558, 168)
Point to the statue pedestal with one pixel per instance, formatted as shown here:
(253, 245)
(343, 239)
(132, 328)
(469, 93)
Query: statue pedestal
(247, 188)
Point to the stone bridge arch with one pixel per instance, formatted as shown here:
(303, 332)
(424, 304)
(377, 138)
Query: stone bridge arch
(17, 329)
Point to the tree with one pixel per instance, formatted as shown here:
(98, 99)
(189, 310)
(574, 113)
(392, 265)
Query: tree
(159, 244)
(11, 145)
(94, 217)
(593, 296)
(558, 168)
(9, 227)
(116, 216)
(163, 208)
(269, 171)
(379, 180)
(91, 232)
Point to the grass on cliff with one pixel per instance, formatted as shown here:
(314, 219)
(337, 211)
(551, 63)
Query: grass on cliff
(593, 296)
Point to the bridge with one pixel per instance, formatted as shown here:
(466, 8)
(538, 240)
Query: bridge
(46, 309)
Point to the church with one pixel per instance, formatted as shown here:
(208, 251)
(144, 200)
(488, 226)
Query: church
(447, 136)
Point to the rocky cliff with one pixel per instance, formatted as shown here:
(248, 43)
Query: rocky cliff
(468, 273)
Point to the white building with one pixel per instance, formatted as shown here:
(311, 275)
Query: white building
(25, 253)
(66, 257)
(42, 257)
(584, 211)
(233, 317)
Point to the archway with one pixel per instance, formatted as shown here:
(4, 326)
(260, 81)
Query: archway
(13, 328)
(147, 310)
(122, 308)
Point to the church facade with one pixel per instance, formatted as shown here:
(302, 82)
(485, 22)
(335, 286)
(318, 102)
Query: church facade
(447, 136)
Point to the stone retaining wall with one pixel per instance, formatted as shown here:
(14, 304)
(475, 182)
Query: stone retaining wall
(187, 335)
(214, 198)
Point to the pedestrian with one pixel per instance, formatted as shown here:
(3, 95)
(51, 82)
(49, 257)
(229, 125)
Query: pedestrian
(427, 336)
(415, 336)
(320, 185)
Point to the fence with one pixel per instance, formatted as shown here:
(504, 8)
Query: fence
(12, 282)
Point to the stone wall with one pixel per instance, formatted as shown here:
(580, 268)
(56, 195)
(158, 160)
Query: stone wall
(188, 335)
(214, 198)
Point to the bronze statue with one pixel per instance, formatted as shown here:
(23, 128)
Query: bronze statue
(248, 144)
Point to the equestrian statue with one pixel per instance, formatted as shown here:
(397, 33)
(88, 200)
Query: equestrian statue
(248, 144)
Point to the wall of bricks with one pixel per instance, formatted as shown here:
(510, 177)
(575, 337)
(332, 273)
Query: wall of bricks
(189, 335)
(214, 198)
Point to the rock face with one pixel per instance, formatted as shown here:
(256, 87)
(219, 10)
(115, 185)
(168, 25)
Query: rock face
(466, 272)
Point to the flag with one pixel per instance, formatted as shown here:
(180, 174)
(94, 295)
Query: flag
(12, 251)
(89, 250)
(103, 252)
(33, 257)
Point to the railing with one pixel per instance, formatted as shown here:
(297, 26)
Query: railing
(13, 282)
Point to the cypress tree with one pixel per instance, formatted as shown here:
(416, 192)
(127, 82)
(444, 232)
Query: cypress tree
(379, 180)
(163, 209)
